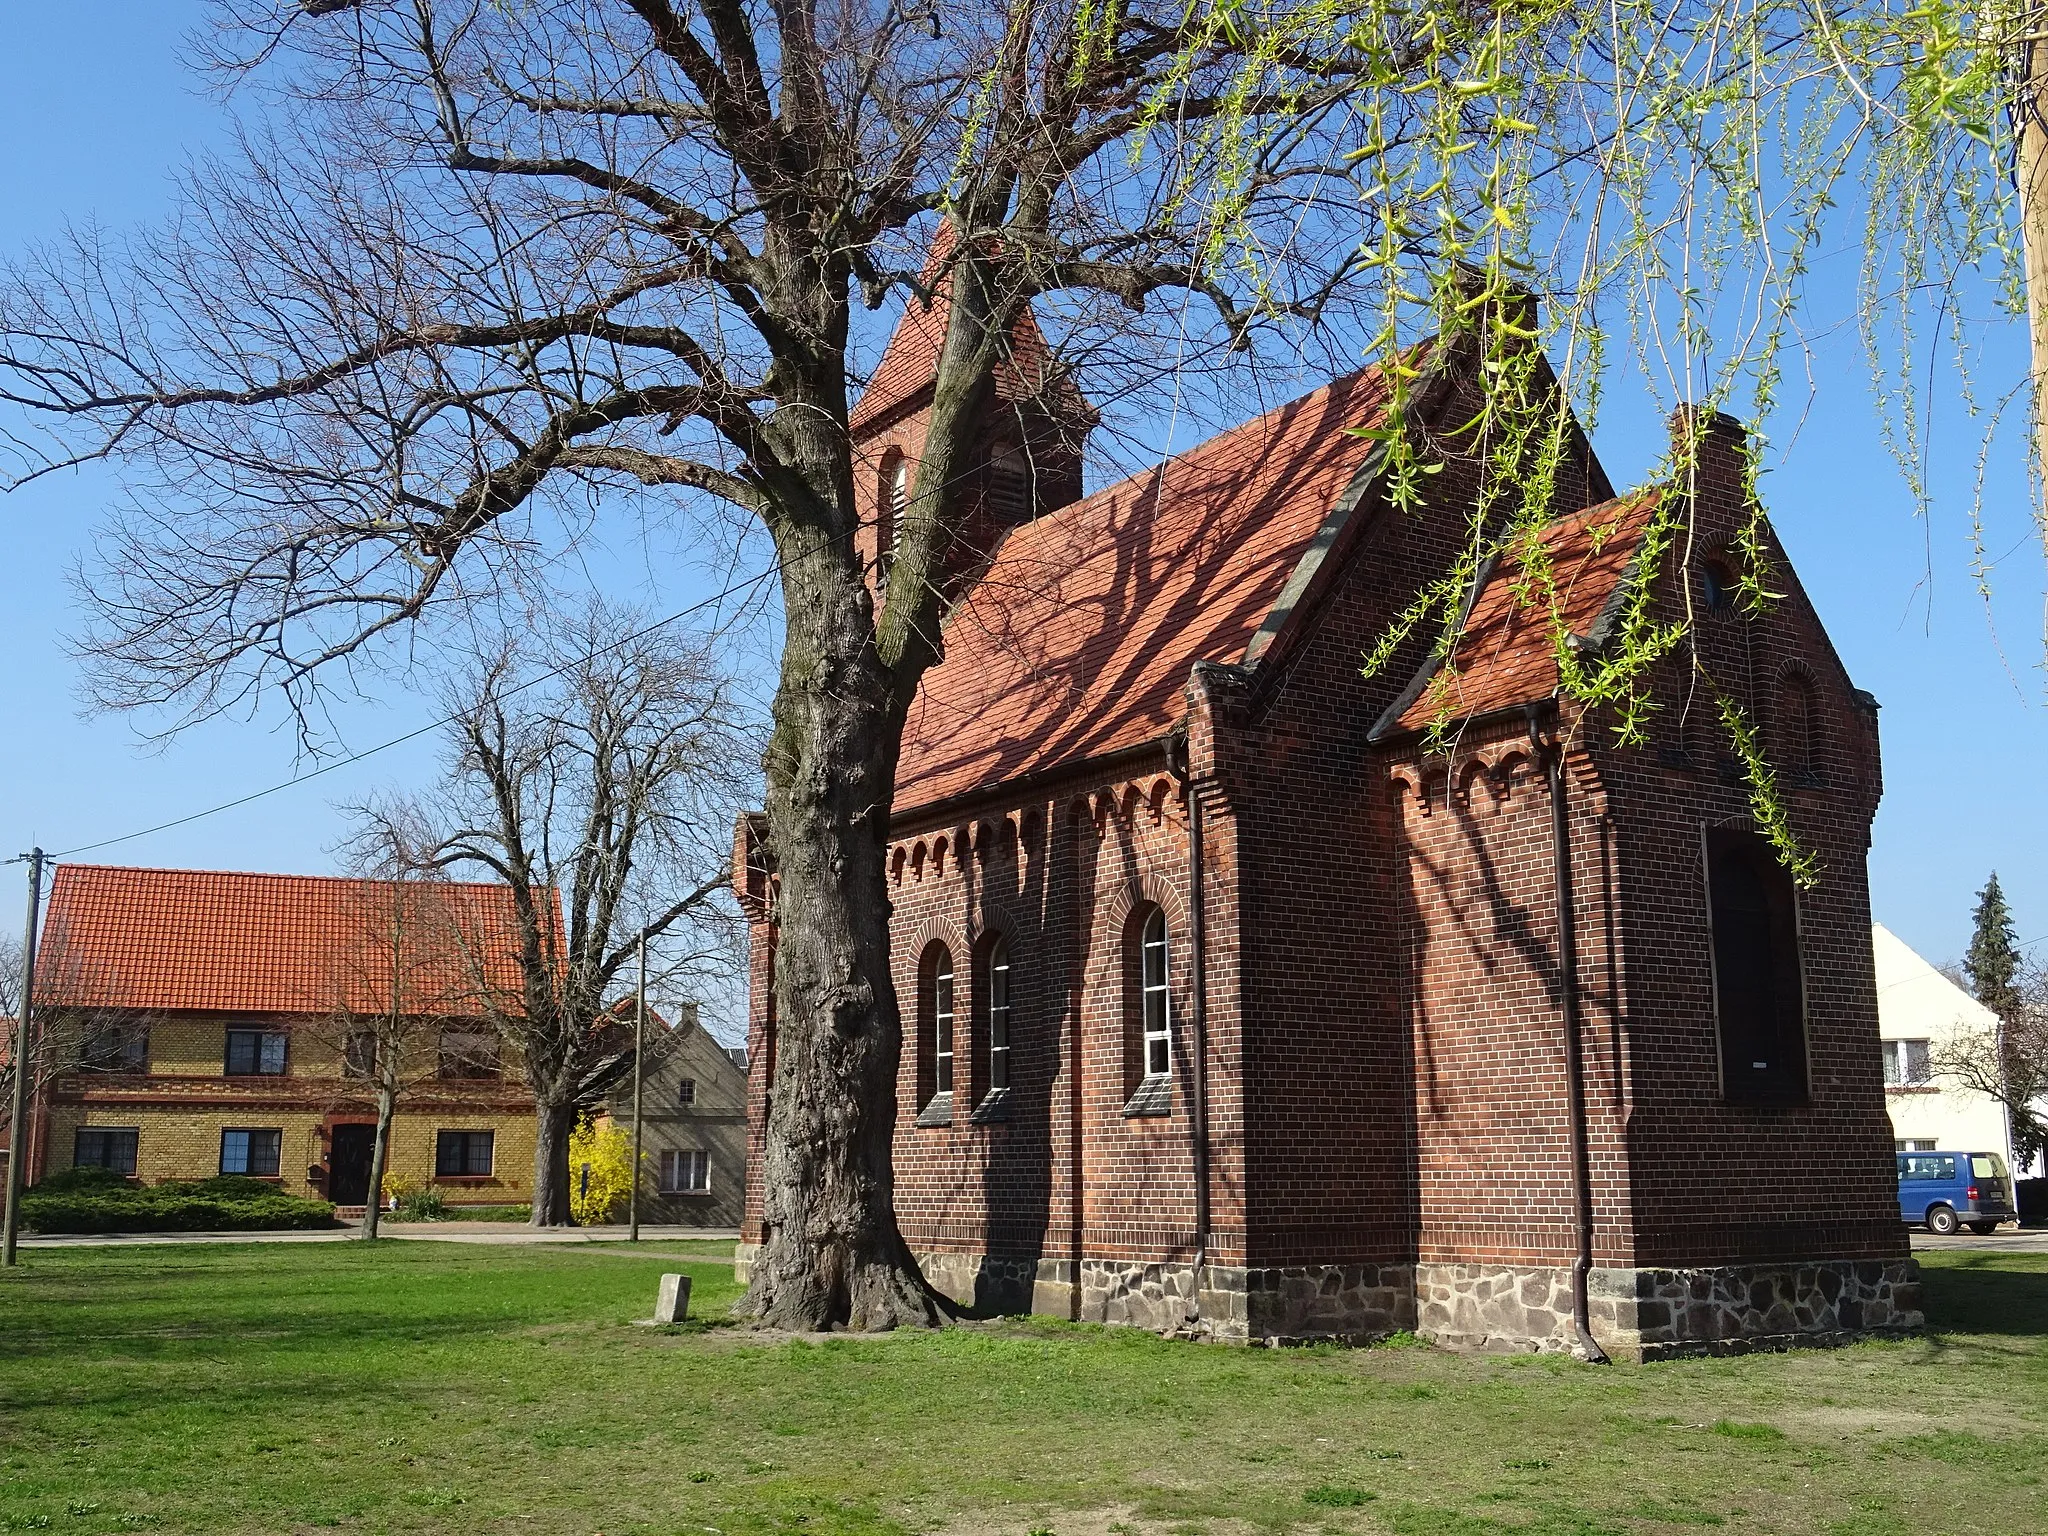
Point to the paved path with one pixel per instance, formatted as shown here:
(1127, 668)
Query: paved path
(498, 1233)
(2011, 1239)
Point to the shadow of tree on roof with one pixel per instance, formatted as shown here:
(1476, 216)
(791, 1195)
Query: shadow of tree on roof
(1080, 636)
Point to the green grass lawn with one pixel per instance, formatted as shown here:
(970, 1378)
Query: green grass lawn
(445, 1388)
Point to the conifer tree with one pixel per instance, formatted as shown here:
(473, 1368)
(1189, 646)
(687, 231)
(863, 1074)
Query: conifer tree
(1993, 961)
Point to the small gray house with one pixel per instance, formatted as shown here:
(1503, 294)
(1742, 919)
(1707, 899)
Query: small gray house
(693, 1117)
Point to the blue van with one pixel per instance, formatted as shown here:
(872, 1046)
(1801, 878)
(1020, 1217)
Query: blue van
(1947, 1190)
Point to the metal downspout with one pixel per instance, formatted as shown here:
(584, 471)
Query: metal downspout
(1575, 1081)
(1199, 1110)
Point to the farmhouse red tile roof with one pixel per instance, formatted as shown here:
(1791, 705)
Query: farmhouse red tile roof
(187, 938)
(910, 362)
(1079, 639)
(1506, 654)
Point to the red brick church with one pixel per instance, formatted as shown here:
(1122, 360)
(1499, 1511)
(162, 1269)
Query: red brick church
(1233, 1005)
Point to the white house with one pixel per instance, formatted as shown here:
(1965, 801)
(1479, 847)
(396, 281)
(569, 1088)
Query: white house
(1917, 1009)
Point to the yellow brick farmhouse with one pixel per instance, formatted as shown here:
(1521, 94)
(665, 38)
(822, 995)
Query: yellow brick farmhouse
(223, 1023)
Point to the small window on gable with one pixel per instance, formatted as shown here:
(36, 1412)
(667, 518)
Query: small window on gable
(1797, 741)
(686, 1090)
(1718, 586)
(1759, 994)
(1148, 1047)
(935, 1036)
(892, 505)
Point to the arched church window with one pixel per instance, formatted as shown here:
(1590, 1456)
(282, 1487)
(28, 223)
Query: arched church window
(1148, 1048)
(935, 1035)
(999, 1016)
(1798, 743)
(895, 504)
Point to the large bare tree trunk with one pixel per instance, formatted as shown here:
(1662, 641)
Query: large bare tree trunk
(831, 1255)
(553, 1122)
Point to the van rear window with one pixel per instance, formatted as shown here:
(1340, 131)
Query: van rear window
(1986, 1165)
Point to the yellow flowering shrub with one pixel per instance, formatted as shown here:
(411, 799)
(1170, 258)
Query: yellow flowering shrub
(607, 1151)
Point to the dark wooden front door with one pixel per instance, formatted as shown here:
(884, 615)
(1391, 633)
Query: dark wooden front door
(348, 1164)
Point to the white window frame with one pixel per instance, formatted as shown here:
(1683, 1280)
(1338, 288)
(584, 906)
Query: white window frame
(1155, 998)
(895, 502)
(999, 1016)
(1898, 1064)
(685, 1171)
(942, 1022)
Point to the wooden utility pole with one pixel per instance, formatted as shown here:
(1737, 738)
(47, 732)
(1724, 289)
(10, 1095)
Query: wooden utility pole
(639, 1051)
(17, 1124)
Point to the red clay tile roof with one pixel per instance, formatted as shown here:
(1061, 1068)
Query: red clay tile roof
(911, 360)
(186, 938)
(1079, 639)
(1506, 655)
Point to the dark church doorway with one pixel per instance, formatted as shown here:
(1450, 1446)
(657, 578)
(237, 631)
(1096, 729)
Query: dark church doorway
(348, 1164)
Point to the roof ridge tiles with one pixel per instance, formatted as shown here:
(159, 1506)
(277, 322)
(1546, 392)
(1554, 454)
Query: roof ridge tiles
(268, 874)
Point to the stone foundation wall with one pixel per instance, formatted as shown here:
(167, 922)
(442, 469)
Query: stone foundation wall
(1650, 1314)
(1496, 1307)
(1636, 1314)
(1737, 1308)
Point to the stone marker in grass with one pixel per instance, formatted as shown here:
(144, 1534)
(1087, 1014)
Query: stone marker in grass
(672, 1301)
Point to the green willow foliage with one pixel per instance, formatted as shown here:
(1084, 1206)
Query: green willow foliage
(1661, 172)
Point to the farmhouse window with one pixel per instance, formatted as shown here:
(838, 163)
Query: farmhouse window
(463, 1154)
(122, 1048)
(254, 1152)
(1759, 995)
(1905, 1063)
(686, 1090)
(469, 1053)
(685, 1171)
(97, 1147)
(256, 1053)
(359, 1054)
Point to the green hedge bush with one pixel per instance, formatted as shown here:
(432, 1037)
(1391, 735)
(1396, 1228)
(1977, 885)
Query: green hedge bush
(94, 1200)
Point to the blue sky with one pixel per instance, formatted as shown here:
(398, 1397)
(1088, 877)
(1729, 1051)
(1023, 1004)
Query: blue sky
(98, 114)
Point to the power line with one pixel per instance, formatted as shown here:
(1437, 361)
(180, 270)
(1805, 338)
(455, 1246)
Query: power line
(434, 725)
(413, 735)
